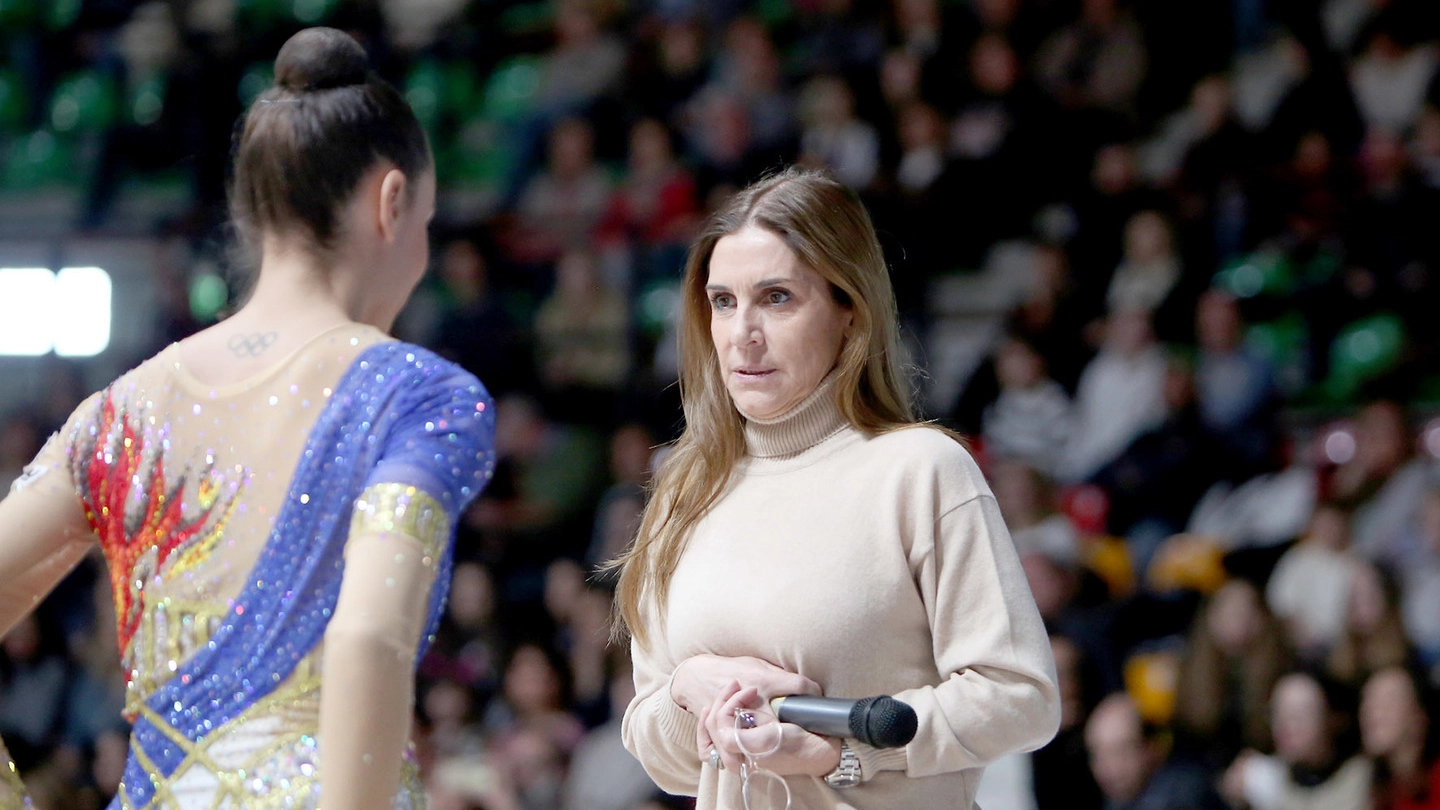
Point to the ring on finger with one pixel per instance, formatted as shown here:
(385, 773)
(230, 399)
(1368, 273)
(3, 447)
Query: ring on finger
(714, 760)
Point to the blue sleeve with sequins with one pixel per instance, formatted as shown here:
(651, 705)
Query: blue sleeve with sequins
(442, 441)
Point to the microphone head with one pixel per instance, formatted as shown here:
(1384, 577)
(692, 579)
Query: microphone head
(883, 722)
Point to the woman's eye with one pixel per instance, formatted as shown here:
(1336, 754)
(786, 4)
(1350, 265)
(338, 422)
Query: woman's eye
(778, 297)
(721, 302)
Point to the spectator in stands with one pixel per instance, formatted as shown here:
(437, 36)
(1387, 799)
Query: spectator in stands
(748, 70)
(546, 482)
(1032, 418)
(1155, 482)
(562, 205)
(1000, 140)
(1027, 501)
(461, 670)
(34, 675)
(669, 70)
(1150, 269)
(1374, 635)
(1096, 62)
(1133, 768)
(530, 719)
(603, 775)
(840, 37)
(586, 63)
(582, 338)
(476, 322)
(833, 137)
(1235, 654)
(655, 208)
(1420, 578)
(1390, 80)
(21, 437)
(1315, 766)
(617, 518)
(1398, 733)
(1234, 384)
(1120, 396)
(1310, 588)
(1383, 481)
(1061, 770)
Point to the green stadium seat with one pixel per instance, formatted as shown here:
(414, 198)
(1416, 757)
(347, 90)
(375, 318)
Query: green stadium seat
(147, 100)
(480, 152)
(1363, 351)
(526, 19)
(39, 159)
(462, 89)
(510, 92)
(14, 101)
(61, 14)
(1284, 342)
(657, 305)
(425, 90)
(312, 12)
(1261, 272)
(263, 13)
(83, 102)
(16, 14)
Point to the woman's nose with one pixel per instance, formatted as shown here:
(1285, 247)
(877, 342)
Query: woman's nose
(746, 330)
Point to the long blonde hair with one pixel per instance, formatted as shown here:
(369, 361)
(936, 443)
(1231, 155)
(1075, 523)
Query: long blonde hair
(827, 227)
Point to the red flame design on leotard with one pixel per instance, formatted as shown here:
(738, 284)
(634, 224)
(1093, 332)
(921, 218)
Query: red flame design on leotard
(139, 515)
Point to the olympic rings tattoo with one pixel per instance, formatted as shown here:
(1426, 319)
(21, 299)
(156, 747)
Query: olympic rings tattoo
(251, 345)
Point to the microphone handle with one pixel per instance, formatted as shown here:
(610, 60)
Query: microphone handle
(819, 715)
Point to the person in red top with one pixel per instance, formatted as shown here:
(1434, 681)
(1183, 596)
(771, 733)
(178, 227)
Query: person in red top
(1395, 731)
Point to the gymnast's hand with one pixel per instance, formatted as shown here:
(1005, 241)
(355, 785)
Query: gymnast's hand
(796, 752)
(696, 682)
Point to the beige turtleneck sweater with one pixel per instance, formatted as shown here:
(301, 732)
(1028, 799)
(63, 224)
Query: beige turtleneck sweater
(873, 566)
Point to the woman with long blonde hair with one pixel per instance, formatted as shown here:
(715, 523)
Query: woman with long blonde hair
(808, 536)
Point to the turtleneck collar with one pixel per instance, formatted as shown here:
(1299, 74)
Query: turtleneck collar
(814, 420)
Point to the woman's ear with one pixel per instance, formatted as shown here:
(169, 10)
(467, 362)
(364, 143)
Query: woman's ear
(394, 195)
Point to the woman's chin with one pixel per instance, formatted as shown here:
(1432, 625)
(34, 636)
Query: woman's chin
(758, 407)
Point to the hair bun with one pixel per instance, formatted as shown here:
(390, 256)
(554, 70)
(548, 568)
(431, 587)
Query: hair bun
(320, 59)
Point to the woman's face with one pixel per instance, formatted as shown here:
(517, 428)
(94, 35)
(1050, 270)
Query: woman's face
(1298, 714)
(1234, 618)
(776, 326)
(1390, 717)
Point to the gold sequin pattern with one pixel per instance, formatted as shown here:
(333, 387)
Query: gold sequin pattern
(402, 509)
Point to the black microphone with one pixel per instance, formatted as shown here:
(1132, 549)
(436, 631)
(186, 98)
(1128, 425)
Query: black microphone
(881, 721)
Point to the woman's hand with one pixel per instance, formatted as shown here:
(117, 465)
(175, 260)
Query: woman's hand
(799, 753)
(699, 678)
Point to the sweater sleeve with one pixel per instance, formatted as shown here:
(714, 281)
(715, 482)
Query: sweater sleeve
(999, 692)
(656, 730)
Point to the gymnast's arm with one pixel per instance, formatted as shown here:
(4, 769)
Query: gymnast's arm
(401, 528)
(43, 534)
(369, 660)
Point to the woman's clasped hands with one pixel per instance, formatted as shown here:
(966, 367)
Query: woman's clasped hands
(731, 699)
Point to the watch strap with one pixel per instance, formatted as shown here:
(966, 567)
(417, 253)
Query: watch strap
(848, 773)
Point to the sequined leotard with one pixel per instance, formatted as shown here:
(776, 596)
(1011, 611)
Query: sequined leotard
(224, 515)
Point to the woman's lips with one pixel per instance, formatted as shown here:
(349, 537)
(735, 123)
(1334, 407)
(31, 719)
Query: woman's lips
(754, 373)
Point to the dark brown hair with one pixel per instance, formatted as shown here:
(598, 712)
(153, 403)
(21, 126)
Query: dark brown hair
(307, 141)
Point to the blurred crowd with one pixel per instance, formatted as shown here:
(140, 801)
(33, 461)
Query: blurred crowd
(1177, 256)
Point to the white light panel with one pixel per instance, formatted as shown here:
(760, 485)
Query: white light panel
(41, 311)
(82, 309)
